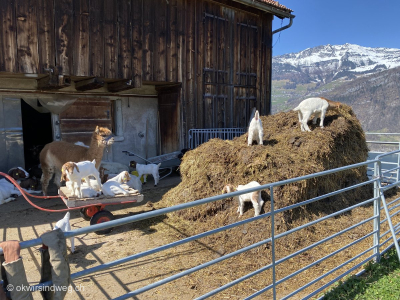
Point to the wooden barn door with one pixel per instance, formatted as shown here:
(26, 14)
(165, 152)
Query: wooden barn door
(78, 122)
(245, 79)
(216, 72)
(169, 116)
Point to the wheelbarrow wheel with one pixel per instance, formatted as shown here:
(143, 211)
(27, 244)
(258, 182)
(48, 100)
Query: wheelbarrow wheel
(88, 212)
(101, 217)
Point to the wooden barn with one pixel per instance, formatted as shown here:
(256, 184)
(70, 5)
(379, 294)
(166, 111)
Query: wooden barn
(150, 70)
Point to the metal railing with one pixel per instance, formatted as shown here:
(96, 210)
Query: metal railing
(380, 240)
(379, 147)
(196, 137)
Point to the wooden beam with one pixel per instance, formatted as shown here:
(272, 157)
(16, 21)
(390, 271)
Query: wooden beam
(119, 86)
(53, 82)
(89, 84)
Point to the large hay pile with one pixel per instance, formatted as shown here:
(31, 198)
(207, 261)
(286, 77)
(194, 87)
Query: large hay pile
(287, 152)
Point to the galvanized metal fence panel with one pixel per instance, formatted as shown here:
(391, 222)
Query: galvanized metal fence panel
(196, 137)
(379, 241)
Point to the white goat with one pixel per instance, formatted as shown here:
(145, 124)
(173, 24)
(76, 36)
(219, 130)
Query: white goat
(64, 225)
(145, 170)
(7, 191)
(86, 190)
(113, 186)
(84, 169)
(135, 183)
(317, 106)
(255, 130)
(254, 197)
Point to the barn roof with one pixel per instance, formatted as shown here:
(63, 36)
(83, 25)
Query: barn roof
(270, 6)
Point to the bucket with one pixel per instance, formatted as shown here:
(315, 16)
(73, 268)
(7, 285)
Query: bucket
(137, 175)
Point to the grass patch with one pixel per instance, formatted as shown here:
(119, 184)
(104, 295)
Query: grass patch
(379, 281)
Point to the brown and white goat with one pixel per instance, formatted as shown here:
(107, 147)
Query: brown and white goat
(57, 153)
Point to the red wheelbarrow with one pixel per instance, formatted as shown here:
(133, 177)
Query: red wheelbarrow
(91, 209)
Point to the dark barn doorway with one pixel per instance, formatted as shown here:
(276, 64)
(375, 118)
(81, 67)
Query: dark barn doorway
(37, 131)
(169, 125)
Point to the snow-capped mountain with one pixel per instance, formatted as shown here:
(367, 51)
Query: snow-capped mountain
(331, 62)
(367, 79)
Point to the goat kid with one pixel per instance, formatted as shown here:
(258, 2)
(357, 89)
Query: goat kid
(135, 183)
(150, 169)
(255, 130)
(253, 197)
(18, 173)
(114, 185)
(84, 169)
(317, 106)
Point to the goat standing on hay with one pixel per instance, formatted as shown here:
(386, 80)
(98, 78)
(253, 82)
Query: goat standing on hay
(253, 197)
(57, 153)
(317, 105)
(255, 130)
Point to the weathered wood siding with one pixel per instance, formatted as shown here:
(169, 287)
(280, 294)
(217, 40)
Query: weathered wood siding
(219, 51)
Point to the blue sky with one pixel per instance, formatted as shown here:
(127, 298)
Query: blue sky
(366, 23)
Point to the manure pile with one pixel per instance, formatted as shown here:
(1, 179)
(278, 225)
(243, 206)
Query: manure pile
(287, 153)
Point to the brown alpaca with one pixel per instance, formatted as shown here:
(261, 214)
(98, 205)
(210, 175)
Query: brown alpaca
(55, 154)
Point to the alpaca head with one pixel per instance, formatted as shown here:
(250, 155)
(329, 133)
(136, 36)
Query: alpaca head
(103, 136)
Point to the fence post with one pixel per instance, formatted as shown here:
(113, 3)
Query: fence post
(377, 214)
(273, 242)
(398, 164)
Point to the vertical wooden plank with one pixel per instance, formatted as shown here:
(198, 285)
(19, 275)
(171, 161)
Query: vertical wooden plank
(27, 36)
(259, 67)
(64, 36)
(160, 54)
(110, 39)
(182, 15)
(267, 64)
(199, 61)
(172, 41)
(137, 39)
(190, 64)
(81, 49)
(46, 36)
(8, 37)
(125, 39)
(148, 39)
(96, 38)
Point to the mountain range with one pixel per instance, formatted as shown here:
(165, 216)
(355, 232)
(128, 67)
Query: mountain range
(367, 79)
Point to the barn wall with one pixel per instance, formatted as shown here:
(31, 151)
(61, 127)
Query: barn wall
(220, 51)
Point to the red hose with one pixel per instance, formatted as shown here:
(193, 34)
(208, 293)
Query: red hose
(45, 197)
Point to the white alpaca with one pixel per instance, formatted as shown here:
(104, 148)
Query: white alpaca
(145, 170)
(254, 197)
(114, 186)
(75, 172)
(64, 225)
(317, 106)
(255, 130)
